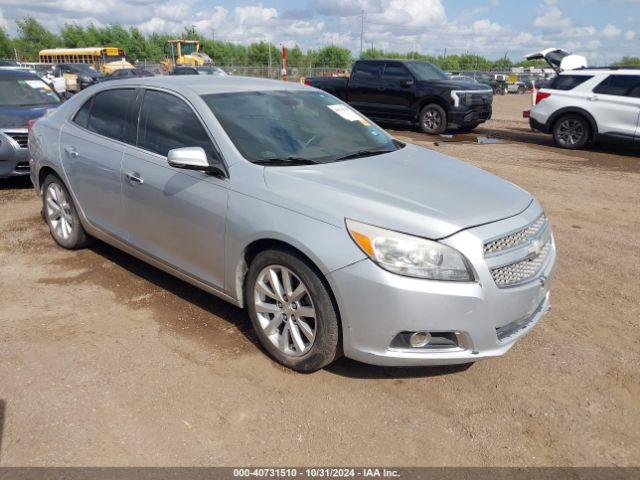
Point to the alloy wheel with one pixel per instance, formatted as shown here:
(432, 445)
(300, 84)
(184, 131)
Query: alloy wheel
(285, 310)
(58, 210)
(432, 120)
(570, 132)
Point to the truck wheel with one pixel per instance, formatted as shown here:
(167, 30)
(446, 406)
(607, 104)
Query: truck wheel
(433, 119)
(291, 311)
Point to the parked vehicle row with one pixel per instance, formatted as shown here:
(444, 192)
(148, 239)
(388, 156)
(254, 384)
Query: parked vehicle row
(411, 92)
(24, 97)
(284, 200)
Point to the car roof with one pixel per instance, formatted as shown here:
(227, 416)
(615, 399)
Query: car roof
(208, 84)
(17, 74)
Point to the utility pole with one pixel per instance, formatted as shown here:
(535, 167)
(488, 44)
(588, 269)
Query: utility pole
(361, 32)
(269, 48)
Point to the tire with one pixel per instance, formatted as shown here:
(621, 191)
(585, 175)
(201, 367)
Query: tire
(61, 215)
(433, 119)
(296, 322)
(571, 131)
(468, 128)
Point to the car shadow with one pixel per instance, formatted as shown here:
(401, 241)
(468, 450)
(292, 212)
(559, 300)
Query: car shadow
(238, 317)
(345, 367)
(15, 183)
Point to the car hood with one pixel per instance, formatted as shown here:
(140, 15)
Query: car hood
(412, 190)
(17, 117)
(453, 84)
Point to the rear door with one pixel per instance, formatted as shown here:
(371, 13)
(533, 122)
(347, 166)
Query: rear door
(92, 145)
(177, 216)
(615, 104)
(363, 92)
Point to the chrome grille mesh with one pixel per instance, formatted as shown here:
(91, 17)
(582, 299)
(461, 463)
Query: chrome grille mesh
(21, 138)
(522, 271)
(517, 238)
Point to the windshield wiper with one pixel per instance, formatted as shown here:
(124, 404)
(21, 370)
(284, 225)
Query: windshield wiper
(363, 153)
(285, 161)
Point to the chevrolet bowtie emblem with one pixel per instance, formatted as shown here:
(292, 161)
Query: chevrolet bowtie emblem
(535, 248)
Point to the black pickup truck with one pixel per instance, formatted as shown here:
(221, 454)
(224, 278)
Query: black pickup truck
(410, 92)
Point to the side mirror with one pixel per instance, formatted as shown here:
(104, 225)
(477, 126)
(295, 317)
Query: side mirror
(192, 158)
(407, 82)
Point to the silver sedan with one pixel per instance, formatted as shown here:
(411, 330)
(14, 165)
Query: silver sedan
(279, 198)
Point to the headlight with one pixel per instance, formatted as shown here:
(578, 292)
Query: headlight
(410, 256)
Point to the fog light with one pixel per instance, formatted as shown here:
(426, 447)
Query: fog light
(420, 339)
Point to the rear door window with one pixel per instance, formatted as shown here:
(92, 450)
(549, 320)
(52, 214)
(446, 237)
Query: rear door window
(568, 82)
(367, 71)
(111, 114)
(167, 122)
(620, 85)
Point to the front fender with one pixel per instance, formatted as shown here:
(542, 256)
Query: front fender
(249, 219)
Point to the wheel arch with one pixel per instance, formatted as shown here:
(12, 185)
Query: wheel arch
(429, 100)
(44, 172)
(574, 111)
(269, 243)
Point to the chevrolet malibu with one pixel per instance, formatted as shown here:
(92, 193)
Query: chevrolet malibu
(281, 199)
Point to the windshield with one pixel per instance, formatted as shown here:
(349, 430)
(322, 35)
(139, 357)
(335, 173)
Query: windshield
(296, 124)
(426, 71)
(18, 92)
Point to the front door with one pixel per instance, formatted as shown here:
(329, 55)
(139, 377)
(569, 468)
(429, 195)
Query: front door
(177, 216)
(615, 104)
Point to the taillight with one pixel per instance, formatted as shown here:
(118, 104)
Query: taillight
(307, 83)
(30, 124)
(541, 96)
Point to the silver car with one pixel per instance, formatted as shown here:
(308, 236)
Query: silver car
(279, 198)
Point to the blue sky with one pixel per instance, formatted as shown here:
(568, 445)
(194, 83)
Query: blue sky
(603, 30)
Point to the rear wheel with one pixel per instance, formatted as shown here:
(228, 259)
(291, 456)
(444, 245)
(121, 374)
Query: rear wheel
(291, 311)
(61, 215)
(433, 119)
(572, 132)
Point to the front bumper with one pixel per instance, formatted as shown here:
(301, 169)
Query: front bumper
(14, 159)
(463, 116)
(376, 306)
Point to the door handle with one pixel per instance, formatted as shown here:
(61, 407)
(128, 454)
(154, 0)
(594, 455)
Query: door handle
(134, 178)
(592, 98)
(71, 152)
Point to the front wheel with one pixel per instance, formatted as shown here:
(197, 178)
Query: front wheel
(433, 119)
(572, 132)
(291, 311)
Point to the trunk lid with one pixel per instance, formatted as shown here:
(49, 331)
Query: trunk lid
(558, 59)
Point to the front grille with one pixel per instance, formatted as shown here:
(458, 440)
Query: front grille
(479, 99)
(516, 239)
(21, 138)
(522, 271)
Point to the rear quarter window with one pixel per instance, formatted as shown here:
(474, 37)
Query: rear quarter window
(111, 114)
(568, 82)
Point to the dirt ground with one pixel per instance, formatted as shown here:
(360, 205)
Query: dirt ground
(106, 361)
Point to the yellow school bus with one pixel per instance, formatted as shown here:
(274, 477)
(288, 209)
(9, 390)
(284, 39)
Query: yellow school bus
(103, 59)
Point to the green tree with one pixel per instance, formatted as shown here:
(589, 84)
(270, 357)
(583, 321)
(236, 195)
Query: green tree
(6, 45)
(333, 56)
(33, 37)
(628, 62)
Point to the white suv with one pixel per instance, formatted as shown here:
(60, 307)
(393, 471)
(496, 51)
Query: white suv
(583, 104)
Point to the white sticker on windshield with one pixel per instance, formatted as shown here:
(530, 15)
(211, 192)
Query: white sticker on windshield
(36, 84)
(347, 113)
